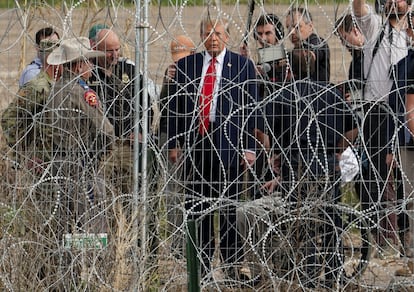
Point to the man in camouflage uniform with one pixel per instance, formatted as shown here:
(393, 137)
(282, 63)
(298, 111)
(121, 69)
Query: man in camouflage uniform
(41, 126)
(20, 120)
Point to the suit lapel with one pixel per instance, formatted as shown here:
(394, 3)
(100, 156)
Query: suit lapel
(223, 96)
(198, 67)
(225, 74)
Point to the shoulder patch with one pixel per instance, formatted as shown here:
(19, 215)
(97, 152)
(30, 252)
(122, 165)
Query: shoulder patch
(91, 98)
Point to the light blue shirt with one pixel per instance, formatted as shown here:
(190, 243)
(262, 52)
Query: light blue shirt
(30, 71)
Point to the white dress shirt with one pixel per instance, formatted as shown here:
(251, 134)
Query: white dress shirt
(219, 69)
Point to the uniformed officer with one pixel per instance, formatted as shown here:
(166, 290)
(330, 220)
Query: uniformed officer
(20, 119)
(80, 136)
(114, 81)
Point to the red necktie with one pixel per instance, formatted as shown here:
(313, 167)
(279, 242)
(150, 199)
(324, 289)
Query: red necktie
(207, 96)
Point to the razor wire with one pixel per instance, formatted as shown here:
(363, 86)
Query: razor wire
(70, 225)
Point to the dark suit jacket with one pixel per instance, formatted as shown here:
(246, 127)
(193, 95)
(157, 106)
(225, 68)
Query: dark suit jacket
(322, 52)
(308, 119)
(311, 114)
(235, 114)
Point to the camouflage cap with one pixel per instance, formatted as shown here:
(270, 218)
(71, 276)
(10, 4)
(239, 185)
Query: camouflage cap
(47, 45)
(94, 30)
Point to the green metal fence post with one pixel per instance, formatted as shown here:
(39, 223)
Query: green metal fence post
(192, 259)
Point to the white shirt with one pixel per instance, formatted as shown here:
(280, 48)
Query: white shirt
(219, 69)
(377, 70)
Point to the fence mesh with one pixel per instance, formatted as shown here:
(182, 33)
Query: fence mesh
(103, 163)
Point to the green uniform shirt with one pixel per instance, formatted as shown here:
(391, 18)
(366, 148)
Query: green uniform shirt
(20, 120)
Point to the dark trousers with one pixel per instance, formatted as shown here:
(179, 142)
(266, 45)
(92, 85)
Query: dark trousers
(380, 186)
(212, 188)
(312, 186)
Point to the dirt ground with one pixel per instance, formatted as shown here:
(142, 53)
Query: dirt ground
(17, 29)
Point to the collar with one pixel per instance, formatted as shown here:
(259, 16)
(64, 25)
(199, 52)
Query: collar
(83, 84)
(38, 62)
(219, 57)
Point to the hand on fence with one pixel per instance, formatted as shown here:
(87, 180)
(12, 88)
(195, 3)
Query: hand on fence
(271, 185)
(248, 159)
(244, 50)
(171, 72)
(391, 161)
(174, 155)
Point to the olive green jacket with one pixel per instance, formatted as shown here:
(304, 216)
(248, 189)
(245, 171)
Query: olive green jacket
(20, 120)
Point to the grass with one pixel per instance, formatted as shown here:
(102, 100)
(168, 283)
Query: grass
(349, 195)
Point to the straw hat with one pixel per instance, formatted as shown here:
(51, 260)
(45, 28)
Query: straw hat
(181, 46)
(71, 50)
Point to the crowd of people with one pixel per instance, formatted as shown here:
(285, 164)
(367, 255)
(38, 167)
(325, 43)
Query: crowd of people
(232, 133)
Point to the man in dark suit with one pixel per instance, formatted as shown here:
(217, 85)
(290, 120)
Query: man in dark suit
(312, 124)
(213, 130)
(302, 34)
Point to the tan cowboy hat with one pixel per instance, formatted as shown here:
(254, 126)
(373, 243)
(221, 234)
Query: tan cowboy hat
(70, 50)
(181, 46)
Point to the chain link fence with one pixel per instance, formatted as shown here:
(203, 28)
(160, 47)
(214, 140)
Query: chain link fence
(90, 199)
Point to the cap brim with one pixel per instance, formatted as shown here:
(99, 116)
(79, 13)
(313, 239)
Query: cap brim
(94, 54)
